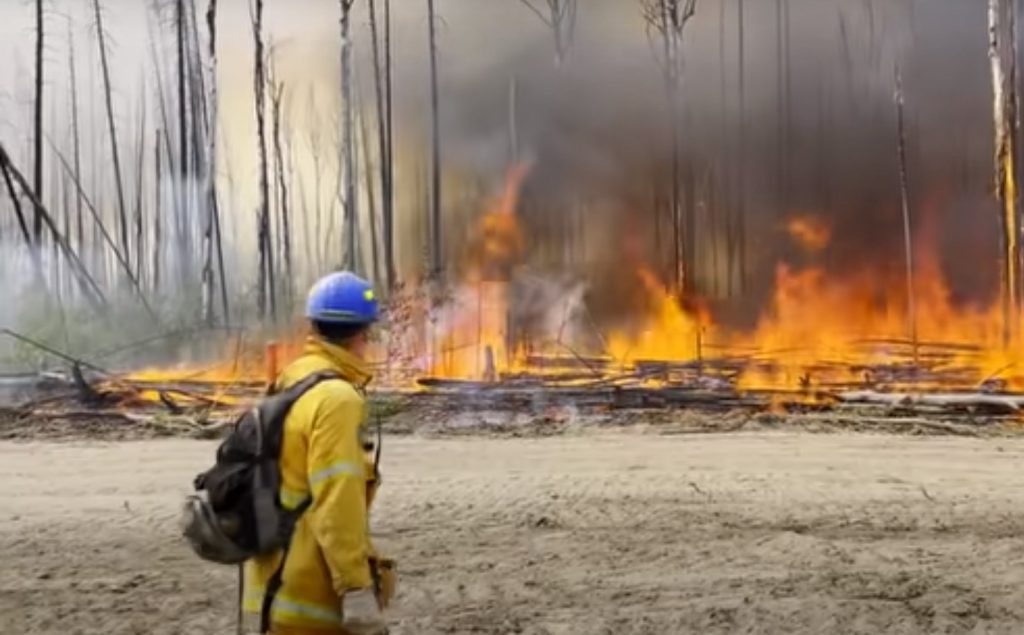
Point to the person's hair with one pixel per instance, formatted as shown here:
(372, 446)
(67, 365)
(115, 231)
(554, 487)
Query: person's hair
(338, 333)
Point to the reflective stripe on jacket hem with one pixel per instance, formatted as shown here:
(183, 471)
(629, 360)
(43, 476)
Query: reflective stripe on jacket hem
(288, 607)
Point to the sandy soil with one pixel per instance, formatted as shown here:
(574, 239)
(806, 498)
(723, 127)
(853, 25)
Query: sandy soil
(590, 533)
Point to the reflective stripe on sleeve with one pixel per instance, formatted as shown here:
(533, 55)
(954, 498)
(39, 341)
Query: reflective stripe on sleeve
(337, 468)
(291, 499)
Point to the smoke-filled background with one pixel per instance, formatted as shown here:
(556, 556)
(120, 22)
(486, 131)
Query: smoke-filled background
(785, 109)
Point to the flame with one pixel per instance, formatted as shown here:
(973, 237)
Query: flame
(819, 331)
(471, 330)
(810, 232)
(673, 332)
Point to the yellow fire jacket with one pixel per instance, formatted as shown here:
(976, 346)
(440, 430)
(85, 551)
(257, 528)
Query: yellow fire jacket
(322, 456)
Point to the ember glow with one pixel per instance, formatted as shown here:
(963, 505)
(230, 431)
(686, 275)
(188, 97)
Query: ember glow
(809, 232)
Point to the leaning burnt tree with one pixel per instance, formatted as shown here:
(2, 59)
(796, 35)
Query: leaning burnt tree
(122, 214)
(666, 23)
(37, 139)
(1002, 57)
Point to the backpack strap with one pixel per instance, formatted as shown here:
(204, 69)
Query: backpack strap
(276, 579)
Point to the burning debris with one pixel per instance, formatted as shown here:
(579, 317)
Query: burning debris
(508, 339)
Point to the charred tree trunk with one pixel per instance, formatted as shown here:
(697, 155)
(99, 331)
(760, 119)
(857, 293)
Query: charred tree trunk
(779, 107)
(76, 141)
(23, 225)
(112, 129)
(86, 282)
(1005, 122)
(211, 193)
(211, 233)
(668, 18)
(371, 198)
(209, 178)
(388, 87)
(436, 246)
(120, 257)
(382, 86)
(37, 180)
(140, 186)
(266, 298)
(908, 244)
(741, 180)
(276, 94)
(183, 199)
(348, 138)
(157, 213)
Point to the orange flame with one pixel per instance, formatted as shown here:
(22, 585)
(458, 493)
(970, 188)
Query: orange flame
(673, 333)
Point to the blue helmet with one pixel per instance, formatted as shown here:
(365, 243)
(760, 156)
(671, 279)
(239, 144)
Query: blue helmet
(342, 298)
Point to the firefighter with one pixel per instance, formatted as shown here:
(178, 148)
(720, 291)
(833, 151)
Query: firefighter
(329, 581)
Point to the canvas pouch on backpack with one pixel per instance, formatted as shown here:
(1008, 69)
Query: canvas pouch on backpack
(235, 514)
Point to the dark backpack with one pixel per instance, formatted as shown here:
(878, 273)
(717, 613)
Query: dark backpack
(235, 514)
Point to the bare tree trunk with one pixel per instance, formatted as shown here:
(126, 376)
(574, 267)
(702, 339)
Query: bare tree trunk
(779, 106)
(315, 148)
(120, 257)
(668, 18)
(671, 48)
(276, 94)
(112, 128)
(53, 183)
(157, 213)
(787, 102)
(351, 201)
(165, 163)
(741, 180)
(76, 139)
(267, 296)
(211, 182)
(388, 88)
(436, 246)
(37, 181)
(908, 244)
(183, 195)
(86, 282)
(19, 213)
(211, 233)
(140, 186)
(1005, 171)
(371, 211)
(380, 77)
(560, 17)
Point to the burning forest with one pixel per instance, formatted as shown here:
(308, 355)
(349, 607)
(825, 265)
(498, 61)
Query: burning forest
(657, 203)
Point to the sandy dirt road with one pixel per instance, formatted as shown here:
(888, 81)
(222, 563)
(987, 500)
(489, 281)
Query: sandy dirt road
(585, 534)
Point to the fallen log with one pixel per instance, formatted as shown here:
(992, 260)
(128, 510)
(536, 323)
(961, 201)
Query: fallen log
(1003, 404)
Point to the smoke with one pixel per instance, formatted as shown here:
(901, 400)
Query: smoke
(810, 131)
(815, 135)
